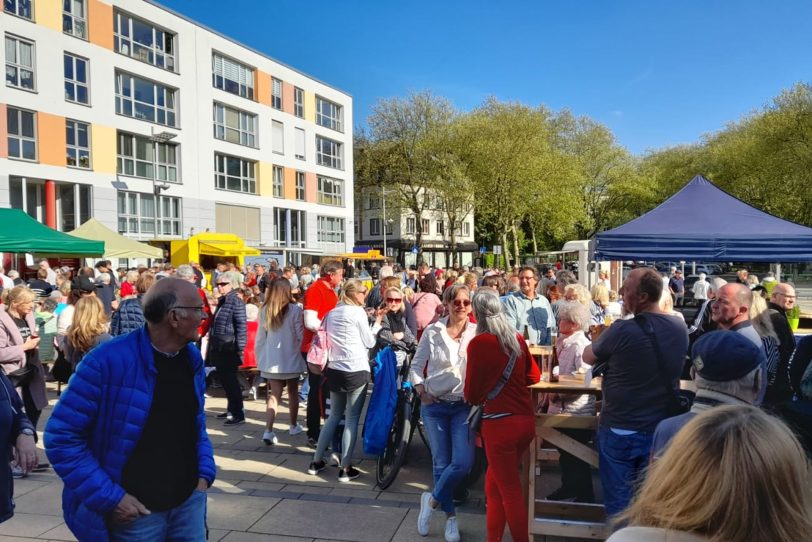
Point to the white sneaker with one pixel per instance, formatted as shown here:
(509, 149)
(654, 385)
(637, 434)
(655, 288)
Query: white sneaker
(269, 437)
(424, 516)
(452, 530)
(296, 430)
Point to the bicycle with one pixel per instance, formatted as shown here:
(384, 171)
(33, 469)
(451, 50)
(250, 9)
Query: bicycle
(407, 420)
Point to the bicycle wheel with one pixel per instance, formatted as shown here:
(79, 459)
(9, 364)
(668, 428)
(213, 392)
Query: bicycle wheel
(421, 428)
(390, 461)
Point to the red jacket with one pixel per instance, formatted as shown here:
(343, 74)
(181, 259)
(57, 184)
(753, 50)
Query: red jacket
(486, 363)
(320, 297)
(249, 357)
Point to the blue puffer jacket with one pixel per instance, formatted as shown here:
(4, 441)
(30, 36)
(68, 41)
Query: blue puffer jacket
(128, 317)
(229, 320)
(97, 423)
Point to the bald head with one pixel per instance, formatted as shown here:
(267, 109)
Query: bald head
(167, 294)
(784, 296)
(732, 305)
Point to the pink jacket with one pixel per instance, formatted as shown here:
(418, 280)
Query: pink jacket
(12, 356)
(425, 308)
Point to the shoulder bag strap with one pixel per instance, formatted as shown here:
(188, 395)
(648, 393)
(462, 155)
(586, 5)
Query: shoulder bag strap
(648, 329)
(504, 377)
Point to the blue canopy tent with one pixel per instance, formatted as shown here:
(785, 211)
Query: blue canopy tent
(704, 223)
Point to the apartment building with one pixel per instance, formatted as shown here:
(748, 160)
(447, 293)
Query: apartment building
(379, 218)
(133, 114)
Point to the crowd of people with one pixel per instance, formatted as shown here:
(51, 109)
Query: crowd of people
(468, 332)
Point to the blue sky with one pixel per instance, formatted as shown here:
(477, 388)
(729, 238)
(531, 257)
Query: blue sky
(657, 73)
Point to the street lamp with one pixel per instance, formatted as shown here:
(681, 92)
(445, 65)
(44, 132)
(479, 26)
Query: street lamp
(160, 137)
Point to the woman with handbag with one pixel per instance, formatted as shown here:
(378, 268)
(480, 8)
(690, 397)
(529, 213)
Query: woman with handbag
(349, 338)
(499, 370)
(227, 337)
(441, 353)
(19, 355)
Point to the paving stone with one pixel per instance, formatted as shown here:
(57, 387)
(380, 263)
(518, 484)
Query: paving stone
(359, 493)
(472, 528)
(60, 532)
(236, 512)
(248, 485)
(45, 500)
(308, 489)
(26, 485)
(236, 536)
(30, 525)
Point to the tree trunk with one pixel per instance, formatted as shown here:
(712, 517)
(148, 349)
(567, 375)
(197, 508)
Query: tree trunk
(515, 244)
(506, 251)
(533, 233)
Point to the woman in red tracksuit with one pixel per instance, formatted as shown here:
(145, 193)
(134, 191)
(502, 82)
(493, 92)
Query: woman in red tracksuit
(508, 424)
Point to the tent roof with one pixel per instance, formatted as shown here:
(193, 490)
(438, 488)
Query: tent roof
(20, 233)
(702, 222)
(115, 245)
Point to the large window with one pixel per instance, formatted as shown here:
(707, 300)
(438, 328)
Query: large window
(136, 158)
(235, 174)
(374, 226)
(440, 227)
(411, 225)
(20, 8)
(331, 191)
(331, 229)
(20, 70)
(289, 227)
(76, 76)
(74, 18)
(22, 134)
(276, 93)
(77, 136)
(298, 102)
(329, 114)
(425, 226)
(136, 214)
(299, 143)
(466, 229)
(235, 126)
(277, 137)
(329, 153)
(141, 40)
(278, 182)
(233, 77)
(300, 185)
(73, 201)
(145, 100)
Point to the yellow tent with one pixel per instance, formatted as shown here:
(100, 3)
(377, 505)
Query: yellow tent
(115, 245)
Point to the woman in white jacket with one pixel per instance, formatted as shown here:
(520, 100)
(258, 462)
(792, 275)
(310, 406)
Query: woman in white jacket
(279, 336)
(349, 338)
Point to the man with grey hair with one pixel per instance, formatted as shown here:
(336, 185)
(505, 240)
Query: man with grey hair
(105, 293)
(5, 282)
(51, 278)
(782, 299)
(727, 371)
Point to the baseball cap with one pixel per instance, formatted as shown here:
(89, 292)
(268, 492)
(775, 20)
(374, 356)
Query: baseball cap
(82, 283)
(722, 356)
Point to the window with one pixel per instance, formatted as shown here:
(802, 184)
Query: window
(331, 229)
(20, 8)
(22, 135)
(235, 126)
(235, 174)
(411, 225)
(331, 191)
(466, 229)
(329, 153)
(78, 140)
(299, 143)
(136, 214)
(74, 18)
(374, 202)
(277, 137)
(136, 158)
(329, 114)
(440, 227)
(20, 63)
(289, 227)
(389, 226)
(374, 226)
(73, 201)
(145, 100)
(76, 87)
(232, 76)
(276, 93)
(143, 41)
(278, 182)
(425, 226)
(298, 102)
(300, 185)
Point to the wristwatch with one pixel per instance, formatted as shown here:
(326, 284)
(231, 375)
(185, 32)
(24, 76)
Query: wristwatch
(27, 431)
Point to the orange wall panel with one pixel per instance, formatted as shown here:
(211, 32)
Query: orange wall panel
(290, 183)
(3, 132)
(263, 90)
(51, 140)
(287, 97)
(100, 21)
(311, 187)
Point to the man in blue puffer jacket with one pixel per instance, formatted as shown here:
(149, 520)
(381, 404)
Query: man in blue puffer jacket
(128, 436)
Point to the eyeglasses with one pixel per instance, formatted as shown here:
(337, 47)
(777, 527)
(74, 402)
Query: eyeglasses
(787, 296)
(461, 303)
(198, 309)
(394, 299)
(223, 284)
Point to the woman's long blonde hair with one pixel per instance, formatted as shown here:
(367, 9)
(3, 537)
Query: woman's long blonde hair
(348, 291)
(89, 321)
(732, 473)
(277, 299)
(760, 317)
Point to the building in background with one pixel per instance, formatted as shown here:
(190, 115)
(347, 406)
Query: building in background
(108, 106)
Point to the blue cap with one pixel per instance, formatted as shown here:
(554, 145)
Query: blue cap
(722, 356)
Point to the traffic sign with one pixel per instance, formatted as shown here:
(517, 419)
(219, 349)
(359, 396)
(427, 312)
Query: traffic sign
(414, 250)
(483, 250)
(497, 249)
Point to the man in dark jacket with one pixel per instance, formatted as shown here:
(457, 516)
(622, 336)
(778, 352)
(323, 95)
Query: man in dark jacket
(782, 299)
(227, 338)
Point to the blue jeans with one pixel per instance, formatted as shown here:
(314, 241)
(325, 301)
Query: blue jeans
(348, 404)
(452, 448)
(622, 460)
(184, 523)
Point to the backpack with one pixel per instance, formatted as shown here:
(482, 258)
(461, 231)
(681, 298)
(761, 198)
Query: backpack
(381, 409)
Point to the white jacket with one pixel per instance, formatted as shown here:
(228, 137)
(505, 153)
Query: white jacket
(434, 353)
(278, 350)
(349, 338)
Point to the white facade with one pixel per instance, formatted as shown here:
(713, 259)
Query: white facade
(263, 214)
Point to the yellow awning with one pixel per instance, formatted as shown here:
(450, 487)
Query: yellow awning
(226, 248)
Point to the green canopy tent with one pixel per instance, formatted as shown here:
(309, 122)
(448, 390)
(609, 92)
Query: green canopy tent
(19, 233)
(115, 245)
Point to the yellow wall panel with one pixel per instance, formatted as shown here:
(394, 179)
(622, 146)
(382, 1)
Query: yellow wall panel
(290, 183)
(3, 132)
(265, 184)
(103, 150)
(310, 106)
(100, 21)
(51, 139)
(49, 13)
(263, 90)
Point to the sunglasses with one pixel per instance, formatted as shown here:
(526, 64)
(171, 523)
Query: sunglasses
(223, 283)
(364, 292)
(461, 303)
(394, 299)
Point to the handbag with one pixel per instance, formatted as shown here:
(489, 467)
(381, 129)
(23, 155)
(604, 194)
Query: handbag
(21, 376)
(319, 353)
(474, 419)
(61, 369)
(444, 382)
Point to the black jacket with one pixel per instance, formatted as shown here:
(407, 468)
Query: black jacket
(12, 422)
(229, 320)
(780, 390)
